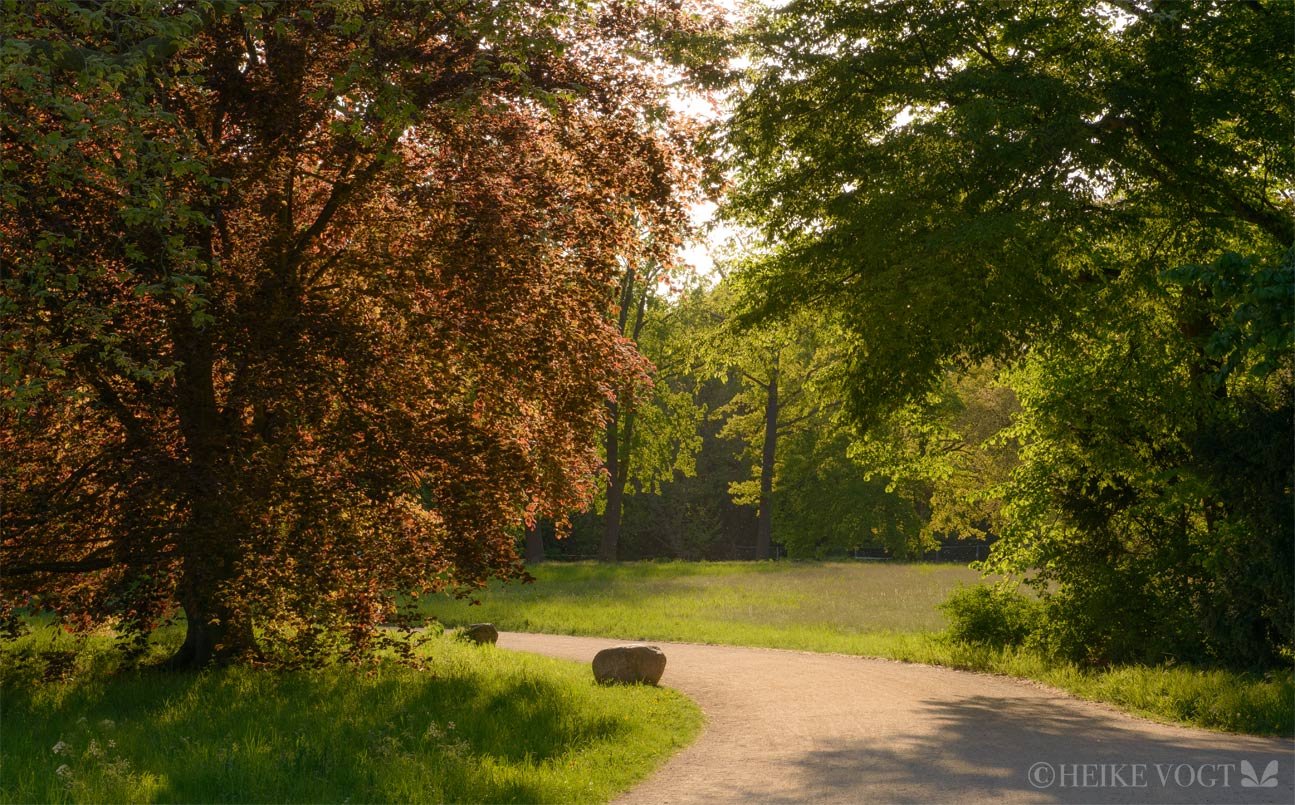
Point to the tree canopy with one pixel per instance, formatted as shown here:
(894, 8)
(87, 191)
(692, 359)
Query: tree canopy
(961, 168)
(307, 304)
(1100, 196)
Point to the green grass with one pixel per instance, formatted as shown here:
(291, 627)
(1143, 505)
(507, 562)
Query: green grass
(871, 609)
(855, 608)
(1211, 698)
(474, 725)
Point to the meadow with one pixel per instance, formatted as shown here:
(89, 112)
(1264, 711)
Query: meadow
(852, 608)
(473, 724)
(873, 609)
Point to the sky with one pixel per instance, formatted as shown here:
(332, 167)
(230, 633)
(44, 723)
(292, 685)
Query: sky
(699, 255)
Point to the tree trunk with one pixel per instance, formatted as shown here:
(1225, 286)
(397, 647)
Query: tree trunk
(209, 638)
(215, 633)
(608, 549)
(534, 544)
(764, 524)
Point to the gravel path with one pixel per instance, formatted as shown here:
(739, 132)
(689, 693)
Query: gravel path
(789, 726)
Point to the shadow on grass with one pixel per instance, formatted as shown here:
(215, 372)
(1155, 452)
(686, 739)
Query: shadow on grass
(394, 734)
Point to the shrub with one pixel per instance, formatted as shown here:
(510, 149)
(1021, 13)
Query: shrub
(991, 615)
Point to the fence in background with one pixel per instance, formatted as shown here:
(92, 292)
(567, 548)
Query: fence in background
(960, 554)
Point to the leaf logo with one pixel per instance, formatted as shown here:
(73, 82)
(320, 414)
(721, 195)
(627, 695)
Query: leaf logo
(1250, 780)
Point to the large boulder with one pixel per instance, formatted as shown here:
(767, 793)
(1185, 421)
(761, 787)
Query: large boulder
(481, 633)
(629, 664)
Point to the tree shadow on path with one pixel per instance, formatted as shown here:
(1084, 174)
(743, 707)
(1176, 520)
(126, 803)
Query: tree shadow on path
(1025, 749)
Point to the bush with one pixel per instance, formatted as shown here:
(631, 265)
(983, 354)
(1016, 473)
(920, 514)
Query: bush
(991, 615)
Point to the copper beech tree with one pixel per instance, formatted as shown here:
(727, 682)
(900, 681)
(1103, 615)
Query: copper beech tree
(308, 306)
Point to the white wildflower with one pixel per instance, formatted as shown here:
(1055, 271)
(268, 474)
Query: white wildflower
(62, 747)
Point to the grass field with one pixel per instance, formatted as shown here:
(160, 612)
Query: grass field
(854, 608)
(475, 725)
(873, 609)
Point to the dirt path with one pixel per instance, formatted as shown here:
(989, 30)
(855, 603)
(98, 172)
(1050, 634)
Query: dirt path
(788, 726)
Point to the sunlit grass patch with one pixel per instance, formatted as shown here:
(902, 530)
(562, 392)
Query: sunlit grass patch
(477, 725)
(825, 605)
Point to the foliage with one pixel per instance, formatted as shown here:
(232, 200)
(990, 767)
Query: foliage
(785, 371)
(926, 474)
(991, 615)
(687, 515)
(919, 477)
(944, 175)
(950, 453)
(651, 433)
(1099, 196)
(692, 515)
(797, 360)
(668, 439)
(307, 303)
(1154, 499)
(1255, 321)
(473, 725)
(827, 502)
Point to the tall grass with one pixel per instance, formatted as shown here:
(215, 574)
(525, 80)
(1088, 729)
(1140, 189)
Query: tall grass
(474, 725)
(875, 609)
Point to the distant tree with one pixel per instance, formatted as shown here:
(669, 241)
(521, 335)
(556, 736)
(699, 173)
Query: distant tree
(951, 452)
(826, 502)
(307, 303)
(651, 426)
(534, 542)
(785, 371)
(679, 505)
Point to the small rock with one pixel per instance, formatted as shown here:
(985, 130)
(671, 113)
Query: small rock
(481, 633)
(629, 664)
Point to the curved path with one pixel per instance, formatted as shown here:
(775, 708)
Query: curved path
(789, 726)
